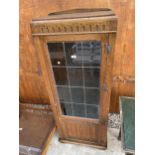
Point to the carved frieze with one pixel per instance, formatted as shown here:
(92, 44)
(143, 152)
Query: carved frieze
(73, 27)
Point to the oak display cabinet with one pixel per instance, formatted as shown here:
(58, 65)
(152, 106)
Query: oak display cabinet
(76, 50)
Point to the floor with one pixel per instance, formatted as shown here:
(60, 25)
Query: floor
(114, 145)
(57, 148)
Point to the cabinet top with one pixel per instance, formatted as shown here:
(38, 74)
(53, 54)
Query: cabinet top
(76, 21)
(78, 13)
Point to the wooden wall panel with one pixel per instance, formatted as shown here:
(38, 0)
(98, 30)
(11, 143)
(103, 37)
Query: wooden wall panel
(32, 87)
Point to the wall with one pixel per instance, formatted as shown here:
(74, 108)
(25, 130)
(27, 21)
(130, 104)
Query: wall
(32, 88)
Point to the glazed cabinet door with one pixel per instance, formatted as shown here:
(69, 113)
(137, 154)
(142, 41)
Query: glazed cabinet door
(79, 71)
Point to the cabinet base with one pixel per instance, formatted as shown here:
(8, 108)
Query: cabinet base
(82, 142)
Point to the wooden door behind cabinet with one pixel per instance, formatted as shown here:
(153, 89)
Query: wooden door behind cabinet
(80, 117)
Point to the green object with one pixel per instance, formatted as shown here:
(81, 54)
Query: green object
(128, 124)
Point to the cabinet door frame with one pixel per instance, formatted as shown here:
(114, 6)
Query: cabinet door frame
(105, 78)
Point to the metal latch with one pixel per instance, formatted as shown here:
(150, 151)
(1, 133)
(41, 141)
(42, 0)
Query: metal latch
(104, 87)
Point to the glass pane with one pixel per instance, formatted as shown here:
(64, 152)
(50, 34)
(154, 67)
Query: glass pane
(64, 94)
(76, 67)
(60, 76)
(73, 54)
(91, 77)
(66, 108)
(92, 111)
(56, 54)
(75, 76)
(91, 53)
(77, 95)
(79, 110)
(92, 96)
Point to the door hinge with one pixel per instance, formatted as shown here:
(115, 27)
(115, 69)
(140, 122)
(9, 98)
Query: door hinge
(39, 71)
(108, 48)
(104, 121)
